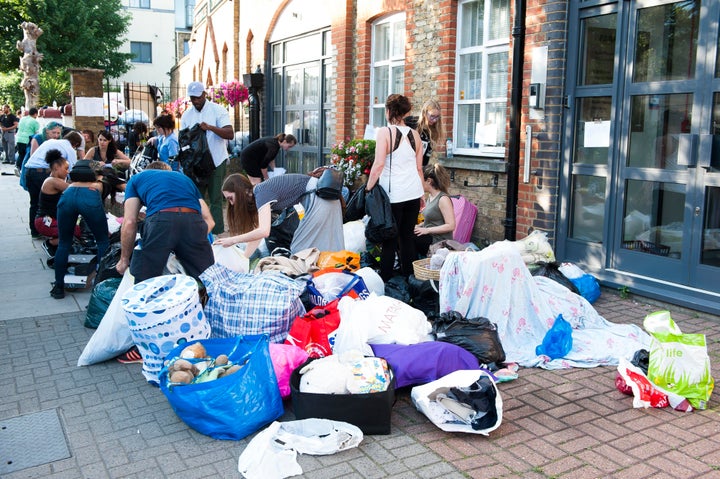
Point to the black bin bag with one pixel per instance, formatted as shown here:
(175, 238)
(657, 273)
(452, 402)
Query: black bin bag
(477, 335)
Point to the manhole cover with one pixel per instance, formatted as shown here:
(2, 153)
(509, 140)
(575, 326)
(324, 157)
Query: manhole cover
(31, 440)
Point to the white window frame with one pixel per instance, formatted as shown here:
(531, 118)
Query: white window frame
(393, 63)
(485, 49)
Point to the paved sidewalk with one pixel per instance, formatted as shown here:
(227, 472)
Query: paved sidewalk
(560, 424)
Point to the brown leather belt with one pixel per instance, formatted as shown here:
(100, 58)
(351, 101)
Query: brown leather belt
(178, 209)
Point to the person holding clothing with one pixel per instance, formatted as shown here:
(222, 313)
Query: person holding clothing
(27, 127)
(166, 140)
(8, 126)
(259, 156)
(51, 131)
(177, 220)
(215, 121)
(429, 125)
(250, 212)
(52, 188)
(36, 169)
(107, 152)
(439, 216)
(83, 197)
(398, 170)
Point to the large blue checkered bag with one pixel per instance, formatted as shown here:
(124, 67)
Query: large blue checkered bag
(233, 406)
(246, 304)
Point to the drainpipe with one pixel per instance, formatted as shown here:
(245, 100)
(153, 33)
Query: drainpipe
(518, 33)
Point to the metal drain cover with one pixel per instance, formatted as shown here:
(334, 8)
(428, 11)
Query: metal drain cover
(31, 440)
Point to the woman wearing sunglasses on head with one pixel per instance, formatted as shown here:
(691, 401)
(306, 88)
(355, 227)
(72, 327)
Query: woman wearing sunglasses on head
(429, 125)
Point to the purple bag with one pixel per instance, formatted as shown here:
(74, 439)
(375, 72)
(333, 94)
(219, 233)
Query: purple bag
(422, 363)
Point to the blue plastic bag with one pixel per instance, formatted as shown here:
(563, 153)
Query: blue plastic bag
(588, 287)
(234, 406)
(557, 341)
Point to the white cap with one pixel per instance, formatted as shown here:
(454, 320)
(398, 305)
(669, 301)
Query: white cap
(195, 88)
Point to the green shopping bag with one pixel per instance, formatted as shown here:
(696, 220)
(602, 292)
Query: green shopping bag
(678, 362)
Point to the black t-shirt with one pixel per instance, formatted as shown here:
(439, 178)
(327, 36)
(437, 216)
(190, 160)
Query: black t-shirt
(412, 122)
(258, 154)
(8, 120)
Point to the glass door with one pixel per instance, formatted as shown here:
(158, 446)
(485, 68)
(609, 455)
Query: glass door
(666, 183)
(301, 96)
(641, 178)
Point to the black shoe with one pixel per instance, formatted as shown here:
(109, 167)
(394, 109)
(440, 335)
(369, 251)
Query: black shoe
(51, 262)
(57, 292)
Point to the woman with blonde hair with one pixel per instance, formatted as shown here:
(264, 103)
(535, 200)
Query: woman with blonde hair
(429, 125)
(439, 215)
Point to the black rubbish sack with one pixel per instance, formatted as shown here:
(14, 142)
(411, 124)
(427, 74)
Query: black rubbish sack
(282, 230)
(100, 299)
(552, 271)
(477, 335)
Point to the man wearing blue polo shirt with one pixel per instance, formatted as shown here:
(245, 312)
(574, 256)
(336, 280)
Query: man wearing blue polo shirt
(177, 219)
(215, 120)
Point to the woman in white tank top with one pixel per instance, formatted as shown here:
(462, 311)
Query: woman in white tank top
(398, 170)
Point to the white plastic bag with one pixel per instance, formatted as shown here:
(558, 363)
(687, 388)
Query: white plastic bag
(383, 320)
(437, 414)
(273, 452)
(232, 257)
(112, 337)
(354, 233)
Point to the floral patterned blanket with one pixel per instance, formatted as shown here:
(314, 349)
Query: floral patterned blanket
(495, 283)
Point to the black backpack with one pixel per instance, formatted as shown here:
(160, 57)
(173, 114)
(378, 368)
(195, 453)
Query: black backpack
(194, 155)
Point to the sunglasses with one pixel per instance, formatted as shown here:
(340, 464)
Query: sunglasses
(434, 117)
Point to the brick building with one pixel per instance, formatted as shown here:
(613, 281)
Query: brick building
(593, 121)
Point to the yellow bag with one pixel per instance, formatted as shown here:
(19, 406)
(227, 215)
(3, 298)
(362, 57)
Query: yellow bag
(344, 259)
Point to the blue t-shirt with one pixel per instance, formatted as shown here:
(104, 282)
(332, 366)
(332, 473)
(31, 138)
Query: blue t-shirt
(160, 189)
(167, 147)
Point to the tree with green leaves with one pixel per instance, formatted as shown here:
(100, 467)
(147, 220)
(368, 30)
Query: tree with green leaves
(78, 33)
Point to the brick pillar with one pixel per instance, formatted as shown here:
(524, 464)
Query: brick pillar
(87, 85)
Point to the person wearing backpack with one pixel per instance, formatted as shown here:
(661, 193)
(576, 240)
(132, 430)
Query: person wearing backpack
(398, 170)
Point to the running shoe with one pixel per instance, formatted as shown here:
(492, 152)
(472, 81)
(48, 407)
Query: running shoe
(50, 249)
(132, 355)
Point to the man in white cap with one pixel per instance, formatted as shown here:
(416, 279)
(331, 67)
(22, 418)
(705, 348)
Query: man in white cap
(215, 120)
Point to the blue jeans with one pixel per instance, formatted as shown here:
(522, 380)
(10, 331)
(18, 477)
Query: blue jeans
(76, 201)
(34, 178)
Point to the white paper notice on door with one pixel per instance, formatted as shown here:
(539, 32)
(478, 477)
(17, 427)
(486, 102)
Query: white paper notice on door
(597, 134)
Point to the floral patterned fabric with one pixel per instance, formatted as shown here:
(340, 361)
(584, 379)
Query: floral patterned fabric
(496, 284)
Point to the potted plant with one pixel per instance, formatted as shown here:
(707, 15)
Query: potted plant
(354, 158)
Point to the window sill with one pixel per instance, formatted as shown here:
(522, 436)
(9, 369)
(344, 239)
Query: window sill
(474, 163)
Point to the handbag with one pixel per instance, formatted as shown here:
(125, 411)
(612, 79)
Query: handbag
(143, 157)
(233, 406)
(329, 186)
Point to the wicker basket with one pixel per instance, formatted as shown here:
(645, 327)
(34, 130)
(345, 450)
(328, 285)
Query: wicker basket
(423, 272)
